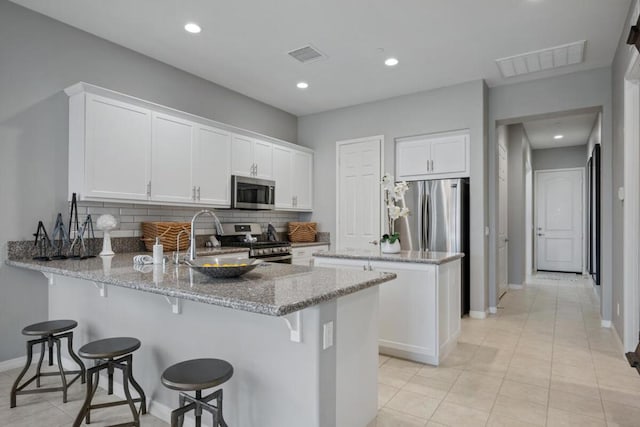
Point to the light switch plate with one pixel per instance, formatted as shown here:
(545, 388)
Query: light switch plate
(327, 335)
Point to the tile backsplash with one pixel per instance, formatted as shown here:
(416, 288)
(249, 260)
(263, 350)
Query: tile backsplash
(129, 217)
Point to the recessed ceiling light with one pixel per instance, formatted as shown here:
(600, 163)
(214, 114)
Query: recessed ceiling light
(302, 85)
(558, 137)
(192, 28)
(391, 62)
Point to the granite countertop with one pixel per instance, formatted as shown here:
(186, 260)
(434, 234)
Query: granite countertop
(309, 244)
(272, 289)
(418, 257)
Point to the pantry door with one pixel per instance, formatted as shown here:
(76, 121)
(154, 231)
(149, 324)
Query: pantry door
(358, 193)
(559, 216)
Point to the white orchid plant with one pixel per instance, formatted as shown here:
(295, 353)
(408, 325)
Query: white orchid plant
(393, 194)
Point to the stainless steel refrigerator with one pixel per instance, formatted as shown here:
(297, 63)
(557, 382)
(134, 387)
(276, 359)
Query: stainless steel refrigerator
(438, 221)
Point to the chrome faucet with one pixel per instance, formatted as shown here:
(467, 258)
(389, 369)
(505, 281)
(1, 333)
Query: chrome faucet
(219, 231)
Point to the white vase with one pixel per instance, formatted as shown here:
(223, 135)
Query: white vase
(390, 248)
(106, 244)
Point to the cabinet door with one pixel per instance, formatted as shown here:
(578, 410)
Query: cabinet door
(242, 155)
(212, 166)
(282, 174)
(450, 155)
(263, 158)
(171, 153)
(302, 180)
(117, 150)
(412, 158)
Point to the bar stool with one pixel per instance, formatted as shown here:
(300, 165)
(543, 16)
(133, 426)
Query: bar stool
(197, 375)
(50, 332)
(109, 354)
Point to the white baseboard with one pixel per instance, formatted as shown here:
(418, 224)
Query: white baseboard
(477, 314)
(515, 286)
(18, 362)
(605, 323)
(493, 310)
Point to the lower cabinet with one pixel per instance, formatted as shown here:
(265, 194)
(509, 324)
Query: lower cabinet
(419, 311)
(302, 255)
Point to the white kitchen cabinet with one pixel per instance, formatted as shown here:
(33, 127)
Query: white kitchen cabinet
(435, 156)
(109, 148)
(251, 157)
(172, 143)
(212, 166)
(293, 171)
(302, 255)
(419, 310)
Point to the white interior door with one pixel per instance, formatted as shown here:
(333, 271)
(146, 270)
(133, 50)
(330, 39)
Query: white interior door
(358, 193)
(559, 215)
(503, 220)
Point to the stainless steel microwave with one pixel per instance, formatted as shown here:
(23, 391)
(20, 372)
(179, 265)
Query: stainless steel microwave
(252, 193)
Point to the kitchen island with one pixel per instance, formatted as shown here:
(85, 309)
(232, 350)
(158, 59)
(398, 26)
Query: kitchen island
(420, 314)
(287, 330)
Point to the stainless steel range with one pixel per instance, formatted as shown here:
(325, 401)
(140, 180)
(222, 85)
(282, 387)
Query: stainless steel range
(250, 236)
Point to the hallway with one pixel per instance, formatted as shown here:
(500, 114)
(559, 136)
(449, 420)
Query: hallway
(542, 360)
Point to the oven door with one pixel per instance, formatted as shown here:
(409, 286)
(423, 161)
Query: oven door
(282, 259)
(252, 193)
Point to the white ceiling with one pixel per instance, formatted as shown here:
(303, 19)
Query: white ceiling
(244, 43)
(574, 128)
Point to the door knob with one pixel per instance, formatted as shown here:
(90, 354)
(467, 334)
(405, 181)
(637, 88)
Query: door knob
(374, 242)
(540, 234)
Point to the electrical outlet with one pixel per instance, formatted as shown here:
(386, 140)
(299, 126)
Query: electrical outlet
(327, 335)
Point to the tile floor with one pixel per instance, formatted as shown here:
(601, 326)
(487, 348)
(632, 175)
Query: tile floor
(543, 360)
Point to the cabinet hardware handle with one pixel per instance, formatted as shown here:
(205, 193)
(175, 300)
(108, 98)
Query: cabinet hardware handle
(193, 193)
(256, 169)
(431, 165)
(198, 192)
(149, 189)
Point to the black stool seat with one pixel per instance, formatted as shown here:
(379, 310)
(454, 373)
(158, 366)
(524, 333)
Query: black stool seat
(49, 327)
(197, 374)
(109, 348)
(110, 354)
(48, 334)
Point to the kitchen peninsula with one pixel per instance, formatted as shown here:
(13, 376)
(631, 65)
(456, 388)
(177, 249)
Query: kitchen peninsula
(303, 341)
(419, 314)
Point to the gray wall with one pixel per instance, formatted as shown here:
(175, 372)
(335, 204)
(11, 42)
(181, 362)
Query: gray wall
(39, 57)
(587, 89)
(558, 158)
(619, 69)
(517, 152)
(456, 107)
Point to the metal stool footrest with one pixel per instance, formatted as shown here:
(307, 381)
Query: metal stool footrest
(50, 340)
(197, 404)
(124, 364)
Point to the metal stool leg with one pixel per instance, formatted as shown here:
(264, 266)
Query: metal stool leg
(14, 388)
(74, 356)
(221, 420)
(181, 403)
(84, 410)
(39, 368)
(63, 377)
(198, 409)
(127, 393)
(134, 383)
(110, 382)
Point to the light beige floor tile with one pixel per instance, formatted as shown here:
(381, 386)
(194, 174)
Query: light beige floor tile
(575, 385)
(584, 373)
(404, 365)
(413, 404)
(619, 415)
(394, 377)
(441, 374)
(428, 387)
(496, 420)
(522, 391)
(382, 359)
(576, 356)
(559, 418)
(620, 395)
(628, 381)
(473, 383)
(582, 405)
(52, 417)
(482, 401)
(453, 415)
(390, 418)
(520, 410)
(385, 393)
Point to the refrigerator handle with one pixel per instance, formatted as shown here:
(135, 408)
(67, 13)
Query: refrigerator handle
(455, 218)
(419, 213)
(425, 220)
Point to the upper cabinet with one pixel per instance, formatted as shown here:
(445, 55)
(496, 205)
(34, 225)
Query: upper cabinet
(126, 149)
(434, 156)
(251, 157)
(292, 172)
(109, 149)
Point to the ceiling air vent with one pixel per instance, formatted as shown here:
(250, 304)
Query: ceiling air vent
(306, 54)
(541, 60)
